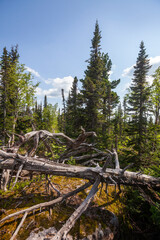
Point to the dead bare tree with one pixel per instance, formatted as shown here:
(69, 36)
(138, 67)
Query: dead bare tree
(12, 161)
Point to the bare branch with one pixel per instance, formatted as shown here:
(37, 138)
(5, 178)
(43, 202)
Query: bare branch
(19, 226)
(77, 213)
(47, 204)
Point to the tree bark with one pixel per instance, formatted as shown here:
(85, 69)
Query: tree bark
(42, 165)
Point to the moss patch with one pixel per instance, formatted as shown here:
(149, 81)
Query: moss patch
(28, 193)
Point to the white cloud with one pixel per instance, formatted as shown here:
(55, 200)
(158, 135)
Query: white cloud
(56, 85)
(110, 73)
(154, 61)
(32, 71)
(39, 91)
(128, 72)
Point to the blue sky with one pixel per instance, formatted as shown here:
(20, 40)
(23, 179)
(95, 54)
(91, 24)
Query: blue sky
(54, 38)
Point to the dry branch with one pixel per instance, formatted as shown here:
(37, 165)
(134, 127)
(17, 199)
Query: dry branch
(19, 226)
(47, 204)
(82, 152)
(49, 167)
(62, 233)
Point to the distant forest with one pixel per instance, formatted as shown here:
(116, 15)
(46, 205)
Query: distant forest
(132, 127)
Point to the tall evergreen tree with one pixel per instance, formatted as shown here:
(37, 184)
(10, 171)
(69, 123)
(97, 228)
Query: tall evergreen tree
(63, 112)
(37, 116)
(155, 96)
(16, 89)
(138, 101)
(118, 126)
(45, 101)
(109, 98)
(91, 84)
(74, 111)
(71, 109)
(4, 75)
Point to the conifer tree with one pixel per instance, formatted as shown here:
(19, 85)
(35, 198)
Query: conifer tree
(154, 123)
(4, 75)
(45, 101)
(16, 89)
(63, 112)
(74, 111)
(156, 95)
(91, 84)
(138, 101)
(110, 99)
(118, 126)
(37, 116)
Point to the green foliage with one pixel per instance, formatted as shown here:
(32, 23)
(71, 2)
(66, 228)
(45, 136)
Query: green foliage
(57, 150)
(93, 106)
(134, 201)
(138, 216)
(73, 110)
(153, 170)
(72, 161)
(16, 90)
(155, 210)
(155, 96)
(47, 117)
(20, 185)
(138, 103)
(91, 84)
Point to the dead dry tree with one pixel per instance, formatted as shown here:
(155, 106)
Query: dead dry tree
(12, 161)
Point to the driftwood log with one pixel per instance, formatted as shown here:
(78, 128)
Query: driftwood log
(11, 161)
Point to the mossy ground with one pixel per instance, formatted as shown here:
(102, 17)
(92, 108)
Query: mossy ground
(27, 193)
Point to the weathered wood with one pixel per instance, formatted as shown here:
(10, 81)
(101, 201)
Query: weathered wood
(47, 204)
(49, 167)
(37, 135)
(10, 160)
(117, 166)
(62, 233)
(19, 226)
(18, 173)
(4, 179)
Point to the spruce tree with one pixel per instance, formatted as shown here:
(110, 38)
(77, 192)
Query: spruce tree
(16, 89)
(74, 112)
(110, 100)
(155, 96)
(45, 101)
(118, 126)
(4, 75)
(91, 84)
(138, 102)
(37, 116)
(63, 112)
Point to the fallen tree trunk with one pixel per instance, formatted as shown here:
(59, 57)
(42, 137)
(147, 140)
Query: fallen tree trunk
(49, 167)
(11, 161)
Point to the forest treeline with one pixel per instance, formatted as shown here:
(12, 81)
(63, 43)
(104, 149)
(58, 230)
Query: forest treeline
(131, 127)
